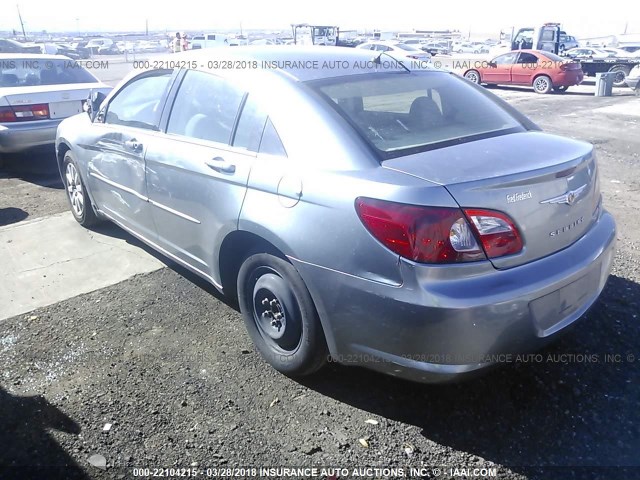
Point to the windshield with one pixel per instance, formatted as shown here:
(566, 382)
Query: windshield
(403, 113)
(29, 72)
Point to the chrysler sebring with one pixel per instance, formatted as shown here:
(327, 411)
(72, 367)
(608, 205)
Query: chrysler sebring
(405, 221)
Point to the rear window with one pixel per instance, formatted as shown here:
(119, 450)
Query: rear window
(555, 58)
(29, 72)
(404, 113)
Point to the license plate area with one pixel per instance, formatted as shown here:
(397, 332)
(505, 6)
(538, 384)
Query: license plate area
(64, 109)
(555, 310)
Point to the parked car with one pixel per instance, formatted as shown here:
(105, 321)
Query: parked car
(398, 50)
(36, 93)
(11, 46)
(67, 51)
(633, 79)
(567, 42)
(81, 49)
(630, 48)
(435, 48)
(263, 41)
(405, 221)
(586, 52)
(95, 43)
(544, 71)
(467, 48)
(616, 52)
(112, 49)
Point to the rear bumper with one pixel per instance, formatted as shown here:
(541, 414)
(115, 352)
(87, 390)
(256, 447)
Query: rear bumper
(15, 137)
(568, 79)
(445, 322)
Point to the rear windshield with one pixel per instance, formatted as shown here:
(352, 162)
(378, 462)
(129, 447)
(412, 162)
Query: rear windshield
(29, 72)
(555, 58)
(403, 113)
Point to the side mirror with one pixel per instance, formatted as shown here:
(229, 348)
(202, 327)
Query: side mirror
(493, 64)
(93, 103)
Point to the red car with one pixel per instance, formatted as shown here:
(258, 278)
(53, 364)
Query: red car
(544, 71)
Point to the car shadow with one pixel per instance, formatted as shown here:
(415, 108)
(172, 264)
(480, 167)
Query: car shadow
(571, 413)
(37, 165)
(28, 450)
(11, 215)
(112, 230)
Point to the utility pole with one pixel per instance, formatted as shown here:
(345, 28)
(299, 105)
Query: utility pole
(146, 27)
(21, 22)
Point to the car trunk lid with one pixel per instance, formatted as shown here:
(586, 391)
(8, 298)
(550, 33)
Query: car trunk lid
(546, 184)
(62, 100)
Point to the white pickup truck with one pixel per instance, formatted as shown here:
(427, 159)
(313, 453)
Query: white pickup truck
(209, 40)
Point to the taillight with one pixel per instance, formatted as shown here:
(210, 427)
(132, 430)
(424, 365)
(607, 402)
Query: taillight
(496, 231)
(421, 234)
(21, 113)
(569, 66)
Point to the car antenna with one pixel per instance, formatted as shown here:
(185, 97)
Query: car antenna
(377, 60)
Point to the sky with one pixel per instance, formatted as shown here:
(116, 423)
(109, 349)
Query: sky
(580, 18)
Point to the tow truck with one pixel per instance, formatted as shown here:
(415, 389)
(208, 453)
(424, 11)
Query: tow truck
(547, 37)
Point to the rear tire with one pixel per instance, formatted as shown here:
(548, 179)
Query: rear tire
(77, 195)
(280, 316)
(542, 84)
(473, 76)
(621, 73)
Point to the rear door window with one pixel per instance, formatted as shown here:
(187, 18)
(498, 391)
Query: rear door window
(527, 58)
(205, 107)
(271, 143)
(250, 126)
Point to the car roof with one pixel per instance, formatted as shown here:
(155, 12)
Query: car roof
(32, 56)
(293, 53)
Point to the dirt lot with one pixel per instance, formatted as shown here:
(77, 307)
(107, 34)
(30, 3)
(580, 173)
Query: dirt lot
(166, 362)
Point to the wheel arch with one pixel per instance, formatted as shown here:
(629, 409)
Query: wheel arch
(238, 245)
(541, 74)
(61, 149)
(464, 75)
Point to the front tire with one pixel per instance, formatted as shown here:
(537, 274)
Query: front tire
(542, 84)
(280, 316)
(77, 195)
(473, 76)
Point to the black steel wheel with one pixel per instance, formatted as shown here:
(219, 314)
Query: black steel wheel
(280, 315)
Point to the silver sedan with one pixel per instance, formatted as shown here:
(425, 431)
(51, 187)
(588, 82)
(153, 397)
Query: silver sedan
(405, 221)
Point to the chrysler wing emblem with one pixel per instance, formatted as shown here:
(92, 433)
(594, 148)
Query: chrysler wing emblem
(569, 197)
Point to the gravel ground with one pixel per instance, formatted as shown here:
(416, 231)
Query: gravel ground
(168, 364)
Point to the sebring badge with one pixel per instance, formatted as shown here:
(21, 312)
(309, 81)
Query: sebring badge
(569, 197)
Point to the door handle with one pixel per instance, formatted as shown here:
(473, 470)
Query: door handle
(219, 164)
(133, 144)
